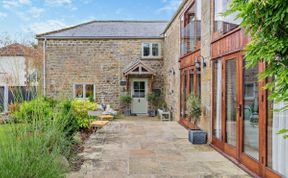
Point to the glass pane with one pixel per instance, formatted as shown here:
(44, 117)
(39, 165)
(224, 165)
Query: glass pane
(185, 92)
(191, 81)
(136, 86)
(142, 85)
(89, 91)
(79, 91)
(251, 112)
(217, 99)
(224, 24)
(277, 146)
(191, 28)
(231, 102)
(146, 49)
(155, 49)
(182, 94)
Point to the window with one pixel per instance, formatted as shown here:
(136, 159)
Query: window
(223, 24)
(84, 91)
(150, 50)
(139, 90)
(191, 29)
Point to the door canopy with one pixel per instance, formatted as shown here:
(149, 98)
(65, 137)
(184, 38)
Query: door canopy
(138, 68)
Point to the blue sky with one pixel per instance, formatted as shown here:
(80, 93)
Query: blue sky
(23, 17)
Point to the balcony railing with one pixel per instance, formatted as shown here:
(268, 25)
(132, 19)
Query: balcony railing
(190, 37)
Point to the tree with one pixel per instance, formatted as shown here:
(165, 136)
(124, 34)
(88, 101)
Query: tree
(266, 21)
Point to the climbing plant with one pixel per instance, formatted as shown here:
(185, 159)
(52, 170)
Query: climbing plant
(266, 21)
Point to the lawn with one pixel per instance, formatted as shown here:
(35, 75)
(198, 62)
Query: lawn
(4, 132)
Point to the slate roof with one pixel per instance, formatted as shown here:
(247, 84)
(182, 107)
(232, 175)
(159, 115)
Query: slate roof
(110, 29)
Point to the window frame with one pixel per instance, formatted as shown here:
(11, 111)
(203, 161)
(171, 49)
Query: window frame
(150, 56)
(84, 90)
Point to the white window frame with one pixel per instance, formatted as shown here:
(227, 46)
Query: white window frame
(150, 49)
(84, 90)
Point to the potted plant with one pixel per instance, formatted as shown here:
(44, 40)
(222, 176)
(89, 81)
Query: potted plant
(193, 105)
(126, 101)
(153, 99)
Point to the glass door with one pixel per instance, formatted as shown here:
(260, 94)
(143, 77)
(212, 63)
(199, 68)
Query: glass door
(232, 110)
(249, 117)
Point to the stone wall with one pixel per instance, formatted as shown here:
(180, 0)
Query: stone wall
(206, 72)
(171, 65)
(171, 57)
(100, 62)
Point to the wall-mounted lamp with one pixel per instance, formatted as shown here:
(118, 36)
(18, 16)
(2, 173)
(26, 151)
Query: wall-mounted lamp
(200, 60)
(172, 71)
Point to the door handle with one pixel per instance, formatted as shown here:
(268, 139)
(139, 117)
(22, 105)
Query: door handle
(138, 100)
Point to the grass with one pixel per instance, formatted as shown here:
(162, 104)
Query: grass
(4, 132)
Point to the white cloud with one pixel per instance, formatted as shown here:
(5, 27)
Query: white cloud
(24, 2)
(43, 27)
(8, 4)
(35, 11)
(58, 2)
(170, 5)
(3, 14)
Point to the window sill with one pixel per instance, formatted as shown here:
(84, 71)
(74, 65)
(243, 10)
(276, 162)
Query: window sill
(151, 57)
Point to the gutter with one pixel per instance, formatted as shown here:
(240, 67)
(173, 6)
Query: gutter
(44, 67)
(97, 37)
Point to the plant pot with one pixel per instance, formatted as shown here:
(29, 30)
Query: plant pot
(152, 113)
(127, 112)
(197, 136)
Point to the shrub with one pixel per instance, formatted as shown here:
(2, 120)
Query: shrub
(29, 111)
(154, 100)
(125, 100)
(80, 111)
(193, 105)
(65, 115)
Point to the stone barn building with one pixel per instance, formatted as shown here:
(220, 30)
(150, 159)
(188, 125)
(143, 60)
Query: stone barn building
(198, 51)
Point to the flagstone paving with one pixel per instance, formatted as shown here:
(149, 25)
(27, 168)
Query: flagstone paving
(141, 147)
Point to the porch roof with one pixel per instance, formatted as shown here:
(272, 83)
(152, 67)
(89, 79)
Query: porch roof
(138, 68)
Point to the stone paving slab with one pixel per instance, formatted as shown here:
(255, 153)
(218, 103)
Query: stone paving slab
(141, 147)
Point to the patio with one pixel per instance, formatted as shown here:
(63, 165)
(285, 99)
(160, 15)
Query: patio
(143, 147)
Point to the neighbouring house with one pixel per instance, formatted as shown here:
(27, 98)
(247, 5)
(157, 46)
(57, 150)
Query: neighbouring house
(17, 72)
(198, 51)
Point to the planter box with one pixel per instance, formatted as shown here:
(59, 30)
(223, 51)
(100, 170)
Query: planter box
(127, 112)
(152, 113)
(197, 136)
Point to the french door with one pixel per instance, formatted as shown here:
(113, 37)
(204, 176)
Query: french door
(236, 110)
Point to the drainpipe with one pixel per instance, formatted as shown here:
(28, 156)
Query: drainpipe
(44, 67)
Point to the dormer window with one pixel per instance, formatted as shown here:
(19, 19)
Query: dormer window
(150, 50)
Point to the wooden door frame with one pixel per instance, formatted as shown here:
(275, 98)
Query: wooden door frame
(250, 162)
(229, 149)
(237, 155)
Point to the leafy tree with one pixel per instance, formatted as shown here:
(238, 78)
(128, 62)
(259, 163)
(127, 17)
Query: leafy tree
(266, 21)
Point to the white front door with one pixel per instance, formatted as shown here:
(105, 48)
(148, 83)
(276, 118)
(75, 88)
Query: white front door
(139, 95)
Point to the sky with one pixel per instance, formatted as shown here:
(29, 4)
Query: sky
(23, 18)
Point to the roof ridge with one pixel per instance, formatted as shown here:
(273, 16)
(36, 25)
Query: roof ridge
(104, 21)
